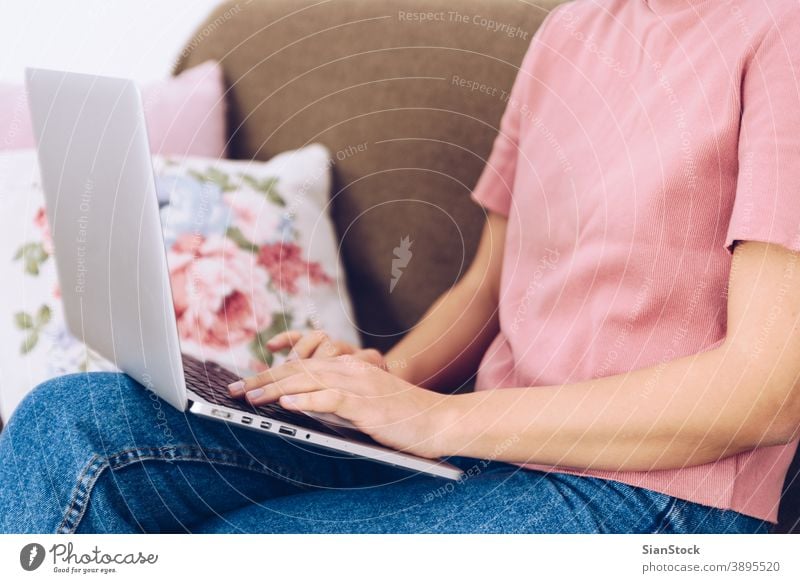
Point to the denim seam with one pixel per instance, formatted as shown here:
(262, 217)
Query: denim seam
(666, 518)
(186, 453)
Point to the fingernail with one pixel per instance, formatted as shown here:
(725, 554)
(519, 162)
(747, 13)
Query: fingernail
(236, 388)
(254, 394)
(291, 356)
(289, 400)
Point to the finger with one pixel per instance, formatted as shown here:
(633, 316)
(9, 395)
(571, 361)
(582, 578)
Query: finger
(329, 348)
(300, 383)
(326, 349)
(328, 401)
(271, 375)
(284, 340)
(370, 355)
(308, 344)
(287, 369)
(345, 347)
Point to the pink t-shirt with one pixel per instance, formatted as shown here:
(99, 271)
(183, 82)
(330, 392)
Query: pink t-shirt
(639, 141)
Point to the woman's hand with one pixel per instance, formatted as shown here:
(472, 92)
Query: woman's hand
(317, 344)
(390, 410)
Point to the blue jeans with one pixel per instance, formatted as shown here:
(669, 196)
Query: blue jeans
(98, 453)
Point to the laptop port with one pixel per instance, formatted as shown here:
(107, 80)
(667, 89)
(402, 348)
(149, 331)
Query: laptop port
(247, 420)
(287, 430)
(220, 413)
(266, 425)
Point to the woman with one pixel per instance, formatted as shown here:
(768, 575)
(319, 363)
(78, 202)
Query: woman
(631, 314)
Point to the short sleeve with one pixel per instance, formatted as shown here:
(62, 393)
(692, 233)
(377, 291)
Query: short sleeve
(767, 203)
(496, 183)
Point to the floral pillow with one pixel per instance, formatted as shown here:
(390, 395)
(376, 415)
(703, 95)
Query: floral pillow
(250, 248)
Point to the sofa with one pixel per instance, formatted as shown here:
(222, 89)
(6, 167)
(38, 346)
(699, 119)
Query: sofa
(380, 84)
(407, 95)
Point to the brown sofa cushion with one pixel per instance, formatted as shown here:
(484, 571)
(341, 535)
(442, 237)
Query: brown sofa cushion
(379, 83)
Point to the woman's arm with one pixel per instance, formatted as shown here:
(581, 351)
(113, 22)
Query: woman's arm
(445, 348)
(739, 396)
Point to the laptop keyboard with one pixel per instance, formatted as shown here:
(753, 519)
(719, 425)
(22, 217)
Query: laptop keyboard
(210, 381)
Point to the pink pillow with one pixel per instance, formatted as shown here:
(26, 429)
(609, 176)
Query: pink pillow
(185, 114)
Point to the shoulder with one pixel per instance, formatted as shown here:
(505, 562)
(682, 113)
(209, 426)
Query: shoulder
(774, 10)
(764, 24)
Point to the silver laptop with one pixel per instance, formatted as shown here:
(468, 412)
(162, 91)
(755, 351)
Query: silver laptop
(102, 207)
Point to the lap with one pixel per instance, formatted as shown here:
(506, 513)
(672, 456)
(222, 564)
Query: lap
(492, 498)
(97, 452)
(111, 416)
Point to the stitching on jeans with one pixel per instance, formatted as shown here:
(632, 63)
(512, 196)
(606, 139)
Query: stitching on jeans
(666, 517)
(77, 505)
(94, 468)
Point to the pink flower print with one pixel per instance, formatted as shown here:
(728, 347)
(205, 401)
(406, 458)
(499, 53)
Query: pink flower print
(220, 291)
(285, 264)
(40, 222)
(258, 221)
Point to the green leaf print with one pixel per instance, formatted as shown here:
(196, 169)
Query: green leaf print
(281, 322)
(266, 187)
(32, 326)
(32, 255)
(29, 343)
(235, 235)
(215, 176)
(23, 320)
(43, 315)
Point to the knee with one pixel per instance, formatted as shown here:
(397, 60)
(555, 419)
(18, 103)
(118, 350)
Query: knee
(51, 437)
(66, 399)
(94, 412)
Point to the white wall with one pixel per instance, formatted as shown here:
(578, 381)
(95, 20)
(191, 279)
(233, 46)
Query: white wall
(139, 39)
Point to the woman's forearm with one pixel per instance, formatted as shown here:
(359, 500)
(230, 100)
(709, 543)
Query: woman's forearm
(445, 348)
(743, 394)
(686, 412)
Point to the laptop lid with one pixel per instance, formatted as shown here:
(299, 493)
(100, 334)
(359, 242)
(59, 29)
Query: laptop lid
(100, 196)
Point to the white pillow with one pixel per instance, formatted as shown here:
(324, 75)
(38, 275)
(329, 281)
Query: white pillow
(254, 235)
